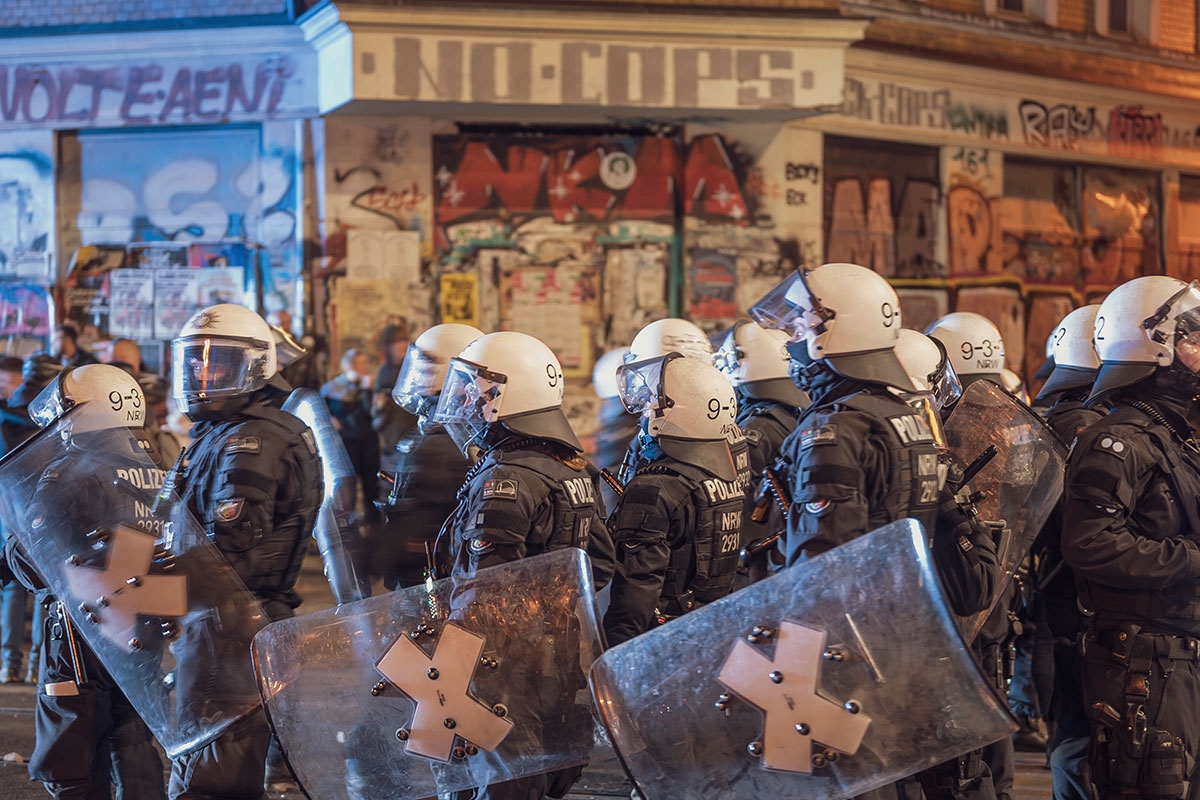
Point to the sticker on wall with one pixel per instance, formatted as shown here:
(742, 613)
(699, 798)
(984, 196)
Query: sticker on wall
(618, 171)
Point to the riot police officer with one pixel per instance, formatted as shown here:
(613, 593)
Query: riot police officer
(253, 481)
(1074, 364)
(755, 360)
(429, 465)
(973, 344)
(530, 492)
(89, 737)
(861, 456)
(671, 335)
(976, 351)
(1130, 523)
(686, 338)
(854, 462)
(677, 528)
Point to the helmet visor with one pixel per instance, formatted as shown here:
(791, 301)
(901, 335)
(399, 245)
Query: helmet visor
(51, 402)
(641, 384)
(419, 379)
(944, 382)
(773, 310)
(208, 368)
(471, 395)
(1175, 322)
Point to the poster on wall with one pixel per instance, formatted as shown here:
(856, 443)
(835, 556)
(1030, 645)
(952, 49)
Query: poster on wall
(131, 298)
(361, 308)
(458, 300)
(158, 255)
(547, 302)
(383, 255)
(713, 284)
(179, 293)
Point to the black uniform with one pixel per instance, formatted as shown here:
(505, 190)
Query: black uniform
(524, 497)
(1130, 527)
(677, 534)
(1061, 615)
(861, 458)
(254, 483)
(87, 731)
(765, 424)
(429, 470)
(617, 426)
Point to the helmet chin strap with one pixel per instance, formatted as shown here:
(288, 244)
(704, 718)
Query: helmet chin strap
(802, 369)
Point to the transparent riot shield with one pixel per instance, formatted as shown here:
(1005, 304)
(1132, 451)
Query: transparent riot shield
(144, 588)
(1020, 485)
(338, 532)
(418, 693)
(831, 678)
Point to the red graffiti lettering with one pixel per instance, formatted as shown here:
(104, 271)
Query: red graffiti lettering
(710, 187)
(1134, 134)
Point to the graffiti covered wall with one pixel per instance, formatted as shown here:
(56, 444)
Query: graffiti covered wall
(211, 185)
(26, 201)
(973, 226)
(378, 220)
(752, 213)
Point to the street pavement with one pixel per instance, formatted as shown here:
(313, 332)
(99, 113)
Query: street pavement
(602, 780)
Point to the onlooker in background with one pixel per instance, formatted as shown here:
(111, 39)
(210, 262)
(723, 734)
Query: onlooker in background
(349, 399)
(390, 421)
(10, 377)
(65, 344)
(15, 427)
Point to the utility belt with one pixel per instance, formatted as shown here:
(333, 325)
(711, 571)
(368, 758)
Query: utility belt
(1134, 647)
(1131, 751)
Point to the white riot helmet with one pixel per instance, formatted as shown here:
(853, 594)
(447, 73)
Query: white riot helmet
(1144, 324)
(924, 359)
(223, 354)
(756, 361)
(1073, 355)
(426, 363)
(671, 335)
(843, 314)
(604, 373)
(508, 379)
(98, 396)
(973, 344)
(686, 405)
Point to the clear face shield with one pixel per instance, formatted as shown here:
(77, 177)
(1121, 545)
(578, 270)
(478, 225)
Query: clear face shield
(641, 385)
(211, 367)
(51, 403)
(1179, 318)
(943, 382)
(470, 401)
(792, 307)
(417, 380)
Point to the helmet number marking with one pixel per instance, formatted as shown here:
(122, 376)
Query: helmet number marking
(1099, 328)
(1059, 335)
(715, 408)
(552, 375)
(890, 314)
(985, 348)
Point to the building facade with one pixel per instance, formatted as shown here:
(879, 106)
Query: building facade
(575, 170)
